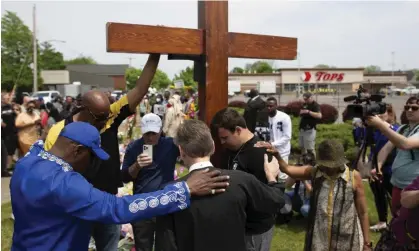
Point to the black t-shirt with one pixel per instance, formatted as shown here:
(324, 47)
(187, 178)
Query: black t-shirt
(250, 159)
(9, 117)
(108, 177)
(307, 121)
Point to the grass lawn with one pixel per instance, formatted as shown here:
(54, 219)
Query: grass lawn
(288, 237)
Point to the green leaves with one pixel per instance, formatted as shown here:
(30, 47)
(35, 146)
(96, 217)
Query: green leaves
(81, 60)
(16, 52)
(160, 80)
(187, 76)
(50, 59)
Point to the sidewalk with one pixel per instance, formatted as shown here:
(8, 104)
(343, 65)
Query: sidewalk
(5, 193)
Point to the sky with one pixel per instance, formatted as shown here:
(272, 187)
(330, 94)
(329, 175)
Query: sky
(342, 34)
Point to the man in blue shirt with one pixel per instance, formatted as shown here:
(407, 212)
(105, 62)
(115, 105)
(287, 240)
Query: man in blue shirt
(149, 173)
(54, 205)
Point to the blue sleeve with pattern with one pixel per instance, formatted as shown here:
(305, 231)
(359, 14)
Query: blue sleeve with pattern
(77, 197)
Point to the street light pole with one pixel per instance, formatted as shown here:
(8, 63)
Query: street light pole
(299, 74)
(35, 52)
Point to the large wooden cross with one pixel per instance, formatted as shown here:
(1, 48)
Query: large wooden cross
(209, 47)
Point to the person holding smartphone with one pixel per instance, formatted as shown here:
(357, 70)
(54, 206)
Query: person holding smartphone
(150, 163)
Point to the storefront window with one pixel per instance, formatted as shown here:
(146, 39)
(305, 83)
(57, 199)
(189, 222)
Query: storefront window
(290, 87)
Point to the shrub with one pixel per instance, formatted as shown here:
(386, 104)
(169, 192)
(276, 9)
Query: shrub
(329, 114)
(237, 104)
(282, 108)
(341, 132)
(293, 108)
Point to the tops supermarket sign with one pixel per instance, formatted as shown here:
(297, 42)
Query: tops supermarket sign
(322, 76)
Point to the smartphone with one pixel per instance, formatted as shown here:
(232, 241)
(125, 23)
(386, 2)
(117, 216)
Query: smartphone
(148, 149)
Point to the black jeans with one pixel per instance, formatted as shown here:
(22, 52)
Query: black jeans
(4, 156)
(382, 190)
(144, 234)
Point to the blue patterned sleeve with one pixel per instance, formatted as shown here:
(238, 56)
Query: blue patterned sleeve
(78, 198)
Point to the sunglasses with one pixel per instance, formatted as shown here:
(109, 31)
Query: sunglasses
(408, 107)
(102, 117)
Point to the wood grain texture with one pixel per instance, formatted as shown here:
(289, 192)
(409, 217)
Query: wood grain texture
(215, 23)
(133, 38)
(243, 45)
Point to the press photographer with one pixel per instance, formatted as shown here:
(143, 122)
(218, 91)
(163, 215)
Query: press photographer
(361, 108)
(405, 167)
(380, 180)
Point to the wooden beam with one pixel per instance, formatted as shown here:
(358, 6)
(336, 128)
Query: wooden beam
(243, 45)
(133, 38)
(183, 57)
(213, 18)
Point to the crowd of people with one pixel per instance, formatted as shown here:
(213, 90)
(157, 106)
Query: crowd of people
(64, 190)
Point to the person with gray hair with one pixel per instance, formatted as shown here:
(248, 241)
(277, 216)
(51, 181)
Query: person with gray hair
(217, 222)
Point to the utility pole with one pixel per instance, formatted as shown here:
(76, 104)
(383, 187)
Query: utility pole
(130, 61)
(35, 52)
(299, 74)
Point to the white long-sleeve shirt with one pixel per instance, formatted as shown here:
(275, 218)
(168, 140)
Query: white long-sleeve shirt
(280, 127)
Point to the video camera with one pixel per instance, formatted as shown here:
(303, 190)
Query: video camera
(363, 107)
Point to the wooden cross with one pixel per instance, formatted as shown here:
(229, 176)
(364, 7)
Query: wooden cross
(209, 47)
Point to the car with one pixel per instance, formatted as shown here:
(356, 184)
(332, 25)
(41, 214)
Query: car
(410, 90)
(47, 96)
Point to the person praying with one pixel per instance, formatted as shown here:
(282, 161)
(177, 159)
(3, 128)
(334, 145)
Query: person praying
(216, 223)
(55, 207)
(338, 217)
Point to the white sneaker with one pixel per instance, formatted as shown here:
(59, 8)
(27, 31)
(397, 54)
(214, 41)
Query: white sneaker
(378, 227)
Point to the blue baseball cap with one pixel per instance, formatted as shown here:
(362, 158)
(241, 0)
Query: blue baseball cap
(87, 135)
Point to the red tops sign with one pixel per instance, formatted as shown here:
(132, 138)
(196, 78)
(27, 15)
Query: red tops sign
(323, 76)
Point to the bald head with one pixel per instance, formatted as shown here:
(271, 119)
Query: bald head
(95, 108)
(96, 100)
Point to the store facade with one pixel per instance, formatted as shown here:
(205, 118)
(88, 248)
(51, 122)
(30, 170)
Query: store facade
(327, 80)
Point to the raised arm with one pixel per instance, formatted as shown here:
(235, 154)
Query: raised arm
(77, 197)
(396, 138)
(383, 155)
(144, 81)
(82, 200)
(295, 172)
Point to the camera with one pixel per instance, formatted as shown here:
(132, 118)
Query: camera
(365, 106)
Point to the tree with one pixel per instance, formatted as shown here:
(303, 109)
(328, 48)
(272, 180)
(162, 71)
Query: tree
(259, 67)
(160, 80)
(50, 59)
(187, 77)
(131, 76)
(16, 53)
(81, 60)
(416, 72)
(237, 70)
(262, 67)
(248, 67)
(372, 69)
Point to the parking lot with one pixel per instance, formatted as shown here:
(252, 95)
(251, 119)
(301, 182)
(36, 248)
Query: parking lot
(337, 101)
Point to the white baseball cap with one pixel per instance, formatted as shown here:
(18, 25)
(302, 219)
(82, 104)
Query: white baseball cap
(150, 123)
